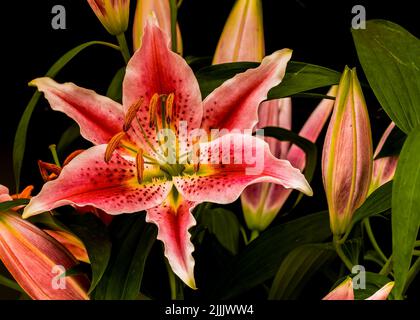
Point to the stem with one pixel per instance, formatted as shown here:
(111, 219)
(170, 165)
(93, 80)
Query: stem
(416, 253)
(10, 284)
(412, 273)
(372, 239)
(174, 14)
(53, 149)
(122, 41)
(386, 269)
(176, 289)
(179, 3)
(341, 254)
(254, 235)
(417, 243)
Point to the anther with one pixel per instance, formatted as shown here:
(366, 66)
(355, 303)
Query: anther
(112, 145)
(196, 155)
(152, 109)
(131, 113)
(71, 156)
(140, 166)
(170, 107)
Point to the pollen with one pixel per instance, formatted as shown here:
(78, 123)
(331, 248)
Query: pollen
(112, 145)
(170, 110)
(131, 114)
(152, 109)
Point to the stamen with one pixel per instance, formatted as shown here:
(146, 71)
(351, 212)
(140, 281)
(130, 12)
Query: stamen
(112, 145)
(71, 156)
(140, 166)
(170, 107)
(131, 113)
(48, 170)
(152, 110)
(196, 155)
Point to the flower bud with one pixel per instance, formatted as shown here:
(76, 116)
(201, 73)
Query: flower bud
(113, 14)
(347, 154)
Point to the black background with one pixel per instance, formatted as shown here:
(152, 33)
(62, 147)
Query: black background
(317, 31)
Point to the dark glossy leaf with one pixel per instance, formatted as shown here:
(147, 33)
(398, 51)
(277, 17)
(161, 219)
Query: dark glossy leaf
(260, 260)
(132, 240)
(298, 266)
(378, 202)
(224, 225)
(114, 91)
(7, 205)
(20, 137)
(393, 144)
(68, 137)
(405, 209)
(390, 57)
(94, 236)
(300, 77)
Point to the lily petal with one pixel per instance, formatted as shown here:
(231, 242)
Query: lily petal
(31, 256)
(99, 117)
(231, 163)
(343, 291)
(173, 219)
(113, 187)
(73, 244)
(4, 194)
(234, 105)
(383, 293)
(155, 69)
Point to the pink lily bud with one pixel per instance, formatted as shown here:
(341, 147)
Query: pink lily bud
(113, 14)
(383, 168)
(243, 35)
(36, 261)
(347, 154)
(162, 12)
(72, 243)
(344, 291)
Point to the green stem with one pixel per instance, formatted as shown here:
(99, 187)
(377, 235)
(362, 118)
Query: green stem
(53, 149)
(417, 243)
(416, 253)
(179, 3)
(254, 235)
(341, 254)
(174, 17)
(372, 239)
(386, 269)
(122, 41)
(10, 284)
(412, 273)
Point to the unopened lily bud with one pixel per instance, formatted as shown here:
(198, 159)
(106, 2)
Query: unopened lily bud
(243, 35)
(37, 261)
(347, 154)
(113, 14)
(161, 10)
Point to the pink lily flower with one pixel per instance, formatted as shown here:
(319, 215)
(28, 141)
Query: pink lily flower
(383, 168)
(347, 154)
(162, 12)
(113, 14)
(124, 172)
(344, 291)
(243, 40)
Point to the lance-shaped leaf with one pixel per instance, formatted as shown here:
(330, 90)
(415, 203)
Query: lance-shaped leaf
(347, 154)
(36, 261)
(243, 35)
(113, 14)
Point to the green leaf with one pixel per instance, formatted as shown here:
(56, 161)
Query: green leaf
(299, 77)
(68, 137)
(261, 259)
(7, 205)
(297, 268)
(114, 91)
(390, 57)
(133, 239)
(224, 225)
(21, 133)
(94, 236)
(302, 77)
(307, 146)
(405, 209)
(393, 145)
(379, 201)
